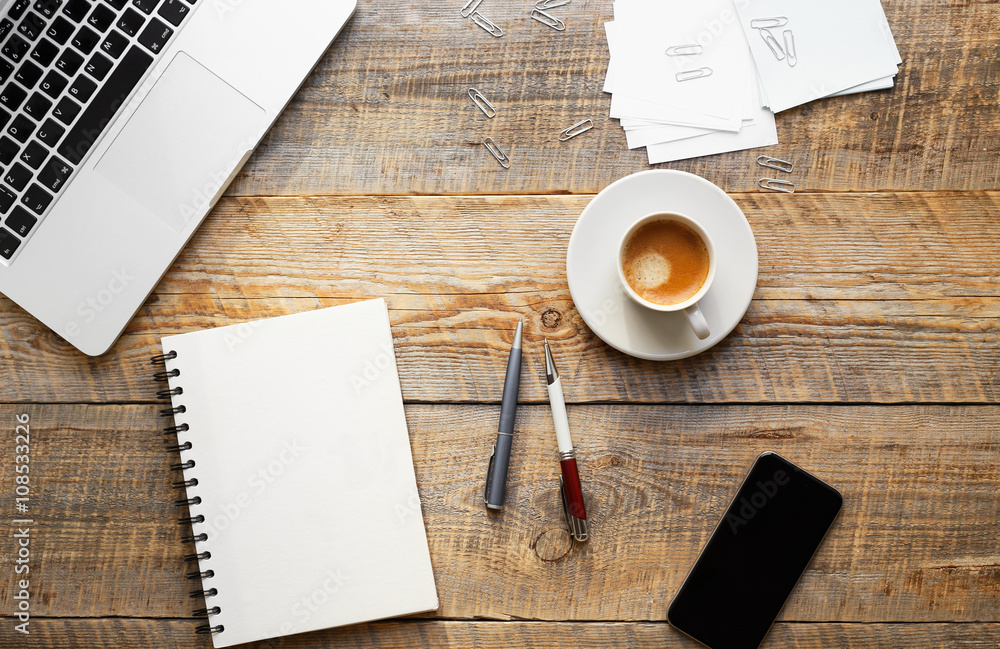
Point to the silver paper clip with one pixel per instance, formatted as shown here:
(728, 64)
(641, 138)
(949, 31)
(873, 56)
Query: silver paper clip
(470, 7)
(550, 4)
(486, 24)
(685, 50)
(483, 103)
(577, 129)
(777, 185)
(496, 152)
(790, 48)
(775, 163)
(688, 75)
(772, 43)
(548, 20)
(766, 23)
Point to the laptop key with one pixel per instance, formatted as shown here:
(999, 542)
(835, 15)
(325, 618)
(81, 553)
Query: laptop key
(21, 221)
(4, 118)
(38, 106)
(50, 133)
(102, 18)
(117, 4)
(156, 35)
(37, 200)
(6, 69)
(114, 44)
(55, 173)
(66, 110)
(145, 6)
(8, 150)
(82, 89)
(77, 10)
(15, 48)
(28, 74)
(45, 52)
(34, 155)
(105, 104)
(99, 66)
(53, 84)
(8, 243)
(21, 128)
(7, 199)
(174, 12)
(60, 30)
(131, 22)
(12, 96)
(48, 7)
(86, 40)
(18, 8)
(69, 62)
(5, 28)
(18, 176)
(32, 26)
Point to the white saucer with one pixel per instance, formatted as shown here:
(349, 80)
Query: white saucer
(591, 264)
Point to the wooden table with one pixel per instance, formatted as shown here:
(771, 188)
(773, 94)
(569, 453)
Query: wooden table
(869, 354)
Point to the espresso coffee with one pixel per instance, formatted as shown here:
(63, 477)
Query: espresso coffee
(665, 262)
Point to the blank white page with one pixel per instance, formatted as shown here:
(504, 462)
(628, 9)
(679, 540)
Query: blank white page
(304, 471)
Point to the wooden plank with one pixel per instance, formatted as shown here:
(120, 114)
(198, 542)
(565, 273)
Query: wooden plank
(141, 633)
(872, 298)
(915, 541)
(387, 112)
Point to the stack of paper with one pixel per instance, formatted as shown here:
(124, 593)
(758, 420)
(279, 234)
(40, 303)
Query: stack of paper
(694, 79)
(807, 50)
(682, 79)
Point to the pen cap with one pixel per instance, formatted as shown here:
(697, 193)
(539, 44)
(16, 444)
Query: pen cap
(511, 383)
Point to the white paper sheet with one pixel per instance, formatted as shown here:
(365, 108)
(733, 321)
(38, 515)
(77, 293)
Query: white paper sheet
(838, 46)
(644, 71)
(624, 106)
(762, 132)
(647, 135)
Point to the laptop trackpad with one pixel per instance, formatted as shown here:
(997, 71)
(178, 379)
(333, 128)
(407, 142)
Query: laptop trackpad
(181, 145)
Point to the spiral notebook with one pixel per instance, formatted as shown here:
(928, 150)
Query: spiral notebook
(298, 478)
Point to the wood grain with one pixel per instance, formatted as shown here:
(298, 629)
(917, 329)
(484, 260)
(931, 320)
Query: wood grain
(140, 633)
(878, 285)
(861, 298)
(386, 112)
(914, 543)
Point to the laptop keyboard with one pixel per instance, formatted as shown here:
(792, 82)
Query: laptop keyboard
(66, 68)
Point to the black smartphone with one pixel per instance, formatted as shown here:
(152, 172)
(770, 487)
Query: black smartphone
(757, 553)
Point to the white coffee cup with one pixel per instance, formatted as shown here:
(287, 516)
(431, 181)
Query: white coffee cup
(689, 306)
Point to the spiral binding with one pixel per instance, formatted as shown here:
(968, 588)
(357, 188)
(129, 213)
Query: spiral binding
(187, 503)
(166, 394)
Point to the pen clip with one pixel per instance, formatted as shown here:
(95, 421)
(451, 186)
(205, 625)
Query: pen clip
(577, 527)
(489, 476)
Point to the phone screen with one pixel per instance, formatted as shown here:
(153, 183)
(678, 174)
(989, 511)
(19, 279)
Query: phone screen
(760, 548)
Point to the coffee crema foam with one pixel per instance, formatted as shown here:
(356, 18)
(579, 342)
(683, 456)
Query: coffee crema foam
(665, 262)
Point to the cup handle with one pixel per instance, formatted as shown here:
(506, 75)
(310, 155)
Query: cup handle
(697, 320)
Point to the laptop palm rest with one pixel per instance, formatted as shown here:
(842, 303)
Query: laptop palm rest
(181, 145)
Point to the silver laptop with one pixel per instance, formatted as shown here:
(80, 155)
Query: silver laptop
(123, 122)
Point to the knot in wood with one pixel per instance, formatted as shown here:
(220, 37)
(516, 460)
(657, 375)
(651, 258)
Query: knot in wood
(551, 319)
(552, 545)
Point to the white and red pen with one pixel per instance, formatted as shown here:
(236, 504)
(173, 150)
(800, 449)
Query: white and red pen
(569, 482)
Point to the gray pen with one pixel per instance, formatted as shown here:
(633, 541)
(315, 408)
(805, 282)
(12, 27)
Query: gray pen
(496, 473)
